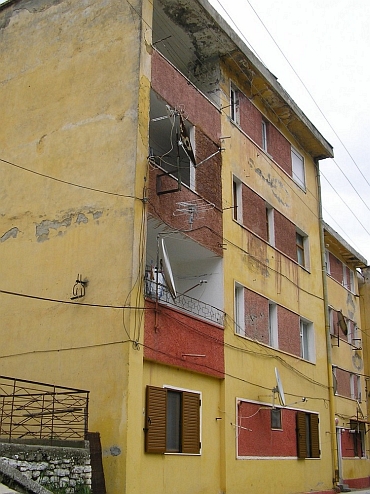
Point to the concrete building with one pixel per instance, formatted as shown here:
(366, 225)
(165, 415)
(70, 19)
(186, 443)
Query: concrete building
(346, 354)
(162, 245)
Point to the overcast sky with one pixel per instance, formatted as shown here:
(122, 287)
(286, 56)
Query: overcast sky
(327, 42)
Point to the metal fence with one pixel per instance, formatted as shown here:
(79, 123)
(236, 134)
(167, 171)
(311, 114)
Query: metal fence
(33, 411)
(184, 302)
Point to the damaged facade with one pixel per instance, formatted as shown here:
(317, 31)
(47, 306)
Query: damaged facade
(149, 153)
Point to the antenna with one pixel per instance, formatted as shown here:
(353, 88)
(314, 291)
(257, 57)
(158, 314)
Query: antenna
(167, 270)
(342, 322)
(279, 388)
(193, 208)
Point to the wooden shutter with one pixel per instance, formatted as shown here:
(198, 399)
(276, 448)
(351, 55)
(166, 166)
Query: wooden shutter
(301, 435)
(314, 433)
(190, 427)
(155, 420)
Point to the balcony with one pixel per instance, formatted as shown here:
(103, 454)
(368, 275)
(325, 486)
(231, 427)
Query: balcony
(182, 302)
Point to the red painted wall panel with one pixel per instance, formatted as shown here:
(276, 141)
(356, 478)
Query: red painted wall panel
(172, 334)
(207, 228)
(261, 440)
(336, 268)
(289, 331)
(343, 382)
(254, 212)
(256, 316)
(279, 148)
(360, 483)
(285, 235)
(250, 119)
(177, 91)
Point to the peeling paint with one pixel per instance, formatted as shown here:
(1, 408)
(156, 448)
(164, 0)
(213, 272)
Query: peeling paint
(97, 215)
(273, 183)
(43, 228)
(12, 233)
(81, 218)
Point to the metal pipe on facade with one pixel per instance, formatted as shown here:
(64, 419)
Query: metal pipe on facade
(333, 436)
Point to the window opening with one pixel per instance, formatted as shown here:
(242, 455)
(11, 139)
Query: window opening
(239, 310)
(172, 422)
(270, 225)
(308, 445)
(300, 249)
(237, 200)
(264, 136)
(273, 325)
(276, 418)
(298, 168)
(234, 104)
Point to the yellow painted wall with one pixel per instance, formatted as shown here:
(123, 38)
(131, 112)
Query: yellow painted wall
(74, 101)
(168, 473)
(253, 263)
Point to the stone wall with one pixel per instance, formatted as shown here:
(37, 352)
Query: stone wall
(52, 467)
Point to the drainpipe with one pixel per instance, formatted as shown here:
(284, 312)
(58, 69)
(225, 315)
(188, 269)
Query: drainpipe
(333, 437)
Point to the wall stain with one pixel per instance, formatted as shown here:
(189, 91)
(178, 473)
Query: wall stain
(81, 218)
(44, 228)
(12, 233)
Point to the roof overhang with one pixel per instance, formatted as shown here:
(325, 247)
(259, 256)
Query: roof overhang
(210, 37)
(338, 244)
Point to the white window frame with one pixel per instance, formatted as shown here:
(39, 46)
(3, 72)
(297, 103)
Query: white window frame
(355, 378)
(270, 218)
(348, 284)
(239, 309)
(307, 345)
(264, 135)
(234, 104)
(273, 325)
(306, 254)
(237, 200)
(298, 168)
(327, 261)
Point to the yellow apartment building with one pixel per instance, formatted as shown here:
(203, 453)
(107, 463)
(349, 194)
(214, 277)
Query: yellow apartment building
(162, 247)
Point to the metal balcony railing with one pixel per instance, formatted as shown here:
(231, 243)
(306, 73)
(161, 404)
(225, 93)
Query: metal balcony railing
(32, 411)
(183, 302)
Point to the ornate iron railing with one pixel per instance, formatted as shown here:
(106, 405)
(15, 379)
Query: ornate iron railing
(184, 302)
(31, 411)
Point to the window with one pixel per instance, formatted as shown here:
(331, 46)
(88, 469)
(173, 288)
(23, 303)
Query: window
(237, 200)
(270, 225)
(306, 339)
(234, 104)
(302, 249)
(276, 418)
(308, 435)
(239, 309)
(327, 261)
(358, 432)
(298, 174)
(273, 325)
(355, 383)
(348, 278)
(264, 136)
(172, 422)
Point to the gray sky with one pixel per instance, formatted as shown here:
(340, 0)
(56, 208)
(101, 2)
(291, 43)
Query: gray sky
(327, 42)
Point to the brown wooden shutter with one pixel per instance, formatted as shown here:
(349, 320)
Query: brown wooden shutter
(190, 423)
(301, 435)
(155, 420)
(315, 445)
